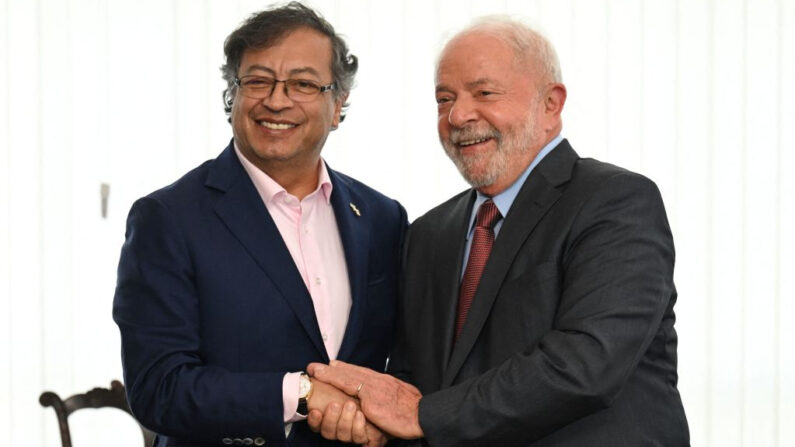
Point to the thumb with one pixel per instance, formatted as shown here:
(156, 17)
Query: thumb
(314, 368)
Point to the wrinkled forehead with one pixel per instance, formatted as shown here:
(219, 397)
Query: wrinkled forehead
(474, 52)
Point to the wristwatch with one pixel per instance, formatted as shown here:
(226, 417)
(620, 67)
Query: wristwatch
(304, 393)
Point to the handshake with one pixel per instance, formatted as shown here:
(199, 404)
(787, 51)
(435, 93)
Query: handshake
(354, 404)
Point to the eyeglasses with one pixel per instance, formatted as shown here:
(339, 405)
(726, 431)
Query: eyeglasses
(301, 90)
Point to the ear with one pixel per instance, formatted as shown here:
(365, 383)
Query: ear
(554, 97)
(335, 122)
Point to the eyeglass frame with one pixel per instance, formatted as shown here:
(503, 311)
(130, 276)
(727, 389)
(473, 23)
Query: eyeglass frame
(321, 88)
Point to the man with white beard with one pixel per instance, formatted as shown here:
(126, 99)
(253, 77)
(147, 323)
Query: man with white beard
(537, 306)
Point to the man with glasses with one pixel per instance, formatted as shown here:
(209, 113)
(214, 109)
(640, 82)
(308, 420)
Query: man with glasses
(259, 262)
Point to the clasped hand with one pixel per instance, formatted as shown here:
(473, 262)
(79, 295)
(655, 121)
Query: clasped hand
(356, 404)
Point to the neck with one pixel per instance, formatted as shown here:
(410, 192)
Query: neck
(299, 181)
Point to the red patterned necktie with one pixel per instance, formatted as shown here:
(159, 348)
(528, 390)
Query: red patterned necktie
(482, 240)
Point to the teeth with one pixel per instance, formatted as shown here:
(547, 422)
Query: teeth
(276, 126)
(471, 142)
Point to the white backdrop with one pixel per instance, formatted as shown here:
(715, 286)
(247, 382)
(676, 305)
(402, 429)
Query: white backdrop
(696, 94)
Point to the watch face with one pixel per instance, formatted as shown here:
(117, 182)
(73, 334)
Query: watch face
(304, 385)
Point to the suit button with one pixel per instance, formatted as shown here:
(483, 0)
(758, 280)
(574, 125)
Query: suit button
(227, 441)
(248, 441)
(259, 441)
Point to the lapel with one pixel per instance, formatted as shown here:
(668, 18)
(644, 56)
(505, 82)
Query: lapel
(534, 200)
(447, 275)
(355, 235)
(242, 211)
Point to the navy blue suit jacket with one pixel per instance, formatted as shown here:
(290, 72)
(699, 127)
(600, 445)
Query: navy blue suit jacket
(213, 312)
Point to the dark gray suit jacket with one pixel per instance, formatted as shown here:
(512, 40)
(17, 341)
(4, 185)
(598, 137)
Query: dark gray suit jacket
(570, 340)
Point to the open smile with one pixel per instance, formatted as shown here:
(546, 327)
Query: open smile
(276, 126)
(473, 145)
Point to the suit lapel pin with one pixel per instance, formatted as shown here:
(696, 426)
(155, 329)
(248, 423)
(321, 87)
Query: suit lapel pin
(355, 210)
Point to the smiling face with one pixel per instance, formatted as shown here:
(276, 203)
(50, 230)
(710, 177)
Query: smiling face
(277, 133)
(489, 111)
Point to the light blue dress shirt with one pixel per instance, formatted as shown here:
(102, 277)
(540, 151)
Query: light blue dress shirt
(504, 200)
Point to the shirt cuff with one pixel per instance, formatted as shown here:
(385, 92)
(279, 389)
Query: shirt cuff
(290, 397)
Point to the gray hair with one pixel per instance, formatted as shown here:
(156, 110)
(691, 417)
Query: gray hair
(529, 45)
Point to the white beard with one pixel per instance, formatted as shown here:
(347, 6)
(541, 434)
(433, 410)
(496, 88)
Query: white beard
(484, 169)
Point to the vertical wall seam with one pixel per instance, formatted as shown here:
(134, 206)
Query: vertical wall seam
(204, 77)
(40, 148)
(676, 131)
(607, 65)
(177, 97)
(779, 204)
(73, 168)
(404, 63)
(743, 208)
(642, 85)
(7, 237)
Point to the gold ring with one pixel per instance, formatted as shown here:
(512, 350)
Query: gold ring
(358, 388)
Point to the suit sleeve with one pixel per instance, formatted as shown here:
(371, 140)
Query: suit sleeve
(156, 306)
(616, 283)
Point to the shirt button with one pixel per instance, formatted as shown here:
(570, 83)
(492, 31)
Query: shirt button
(325, 336)
(318, 281)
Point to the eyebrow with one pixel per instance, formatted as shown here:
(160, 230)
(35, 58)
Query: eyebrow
(294, 71)
(469, 85)
(478, 83)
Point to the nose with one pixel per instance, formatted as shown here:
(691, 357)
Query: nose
(461, 112)
(278, 99)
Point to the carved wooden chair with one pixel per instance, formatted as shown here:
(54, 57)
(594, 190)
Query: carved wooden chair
(96, 398)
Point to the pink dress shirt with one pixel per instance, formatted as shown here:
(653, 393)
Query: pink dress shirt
(309, 229)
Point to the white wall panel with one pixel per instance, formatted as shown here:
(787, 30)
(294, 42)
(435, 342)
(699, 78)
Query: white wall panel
(190, 78)
(57, 194)
(658, 96)
(623, 64)
(698, 95)
(761, 91)
(25, 229)
(586, 78)
(727, 354)
(691, 224)
(786, 224)
(5, 230)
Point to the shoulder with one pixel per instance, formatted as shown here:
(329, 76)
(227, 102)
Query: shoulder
(442, 220)
(190, 184)
(592, 177)
(369, 197)
(181, 200)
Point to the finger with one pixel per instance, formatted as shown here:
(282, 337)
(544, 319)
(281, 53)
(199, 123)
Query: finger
(375, 437)
(359, 430)
(328, 428)
(314, 418)
(354, 370)
(337, 378)
(345, 424)
(310, 369)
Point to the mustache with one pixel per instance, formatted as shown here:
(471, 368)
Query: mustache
(457, 135)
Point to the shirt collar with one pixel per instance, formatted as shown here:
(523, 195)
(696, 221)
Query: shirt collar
(268, 188)
(505, 199)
